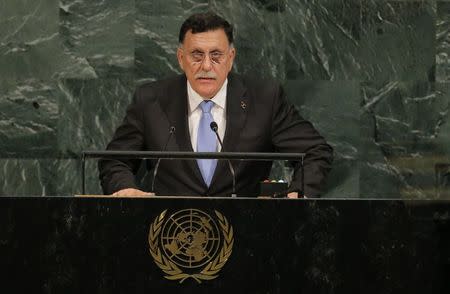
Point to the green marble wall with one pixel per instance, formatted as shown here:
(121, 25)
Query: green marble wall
(372, 75)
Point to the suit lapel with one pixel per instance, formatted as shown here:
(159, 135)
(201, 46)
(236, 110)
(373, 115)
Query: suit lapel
(175, 105)
(236, 114)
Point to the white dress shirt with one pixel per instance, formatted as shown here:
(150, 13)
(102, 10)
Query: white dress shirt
(218, 112)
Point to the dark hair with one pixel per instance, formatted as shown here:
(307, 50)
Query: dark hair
(204, 22)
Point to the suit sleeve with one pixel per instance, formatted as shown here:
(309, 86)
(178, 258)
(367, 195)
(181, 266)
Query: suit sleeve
(116, 175)
(292, 133)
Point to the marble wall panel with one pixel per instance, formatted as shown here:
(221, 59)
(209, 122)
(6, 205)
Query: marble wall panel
(397, 41)
(47, 177)
(90, 111)
(156, 40)
(333, 107)
(322, 39)
(405, 134)
(28, 39)
(99, 34)
(31, 46)
(28, 119)
(69, 175)
(28, 177)
(443, 41)
(174, 8)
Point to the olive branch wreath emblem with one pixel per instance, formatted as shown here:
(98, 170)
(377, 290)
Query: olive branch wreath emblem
(172, 271)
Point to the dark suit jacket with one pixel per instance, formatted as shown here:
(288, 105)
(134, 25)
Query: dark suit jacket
(268, 123)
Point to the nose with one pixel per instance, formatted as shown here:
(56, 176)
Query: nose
(207, 63)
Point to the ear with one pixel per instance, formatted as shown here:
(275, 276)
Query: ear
(180, 57)
(231, 56)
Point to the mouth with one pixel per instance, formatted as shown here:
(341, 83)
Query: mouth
(206, 79)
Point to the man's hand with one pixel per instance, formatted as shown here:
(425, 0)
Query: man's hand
(130, 192)
(292, 195)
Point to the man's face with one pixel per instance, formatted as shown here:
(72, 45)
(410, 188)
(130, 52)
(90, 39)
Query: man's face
(206, 59)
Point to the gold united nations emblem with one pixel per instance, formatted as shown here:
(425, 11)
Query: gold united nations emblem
(190, 244)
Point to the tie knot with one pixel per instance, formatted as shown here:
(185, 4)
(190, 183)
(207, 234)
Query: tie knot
(206, 106)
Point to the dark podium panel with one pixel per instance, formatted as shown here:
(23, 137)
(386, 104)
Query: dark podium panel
(101, 245)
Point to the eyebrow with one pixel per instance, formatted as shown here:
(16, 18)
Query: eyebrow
(214, 50)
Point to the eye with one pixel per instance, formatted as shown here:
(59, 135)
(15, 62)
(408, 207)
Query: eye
(197, 55)
(216, 55)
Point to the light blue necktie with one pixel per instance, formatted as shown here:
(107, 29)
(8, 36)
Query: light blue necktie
(206, 142)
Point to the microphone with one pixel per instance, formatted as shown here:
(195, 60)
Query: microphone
(155, 171)
(214, 128)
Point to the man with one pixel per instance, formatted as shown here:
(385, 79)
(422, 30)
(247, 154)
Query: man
(252, 116)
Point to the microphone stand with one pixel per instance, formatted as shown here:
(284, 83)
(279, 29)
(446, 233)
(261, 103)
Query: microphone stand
(214, 128)
(155, 171)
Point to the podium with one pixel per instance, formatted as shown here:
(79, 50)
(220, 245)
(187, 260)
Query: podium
(108, 245)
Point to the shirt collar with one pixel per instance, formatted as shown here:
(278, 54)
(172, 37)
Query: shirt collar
(195, 99)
